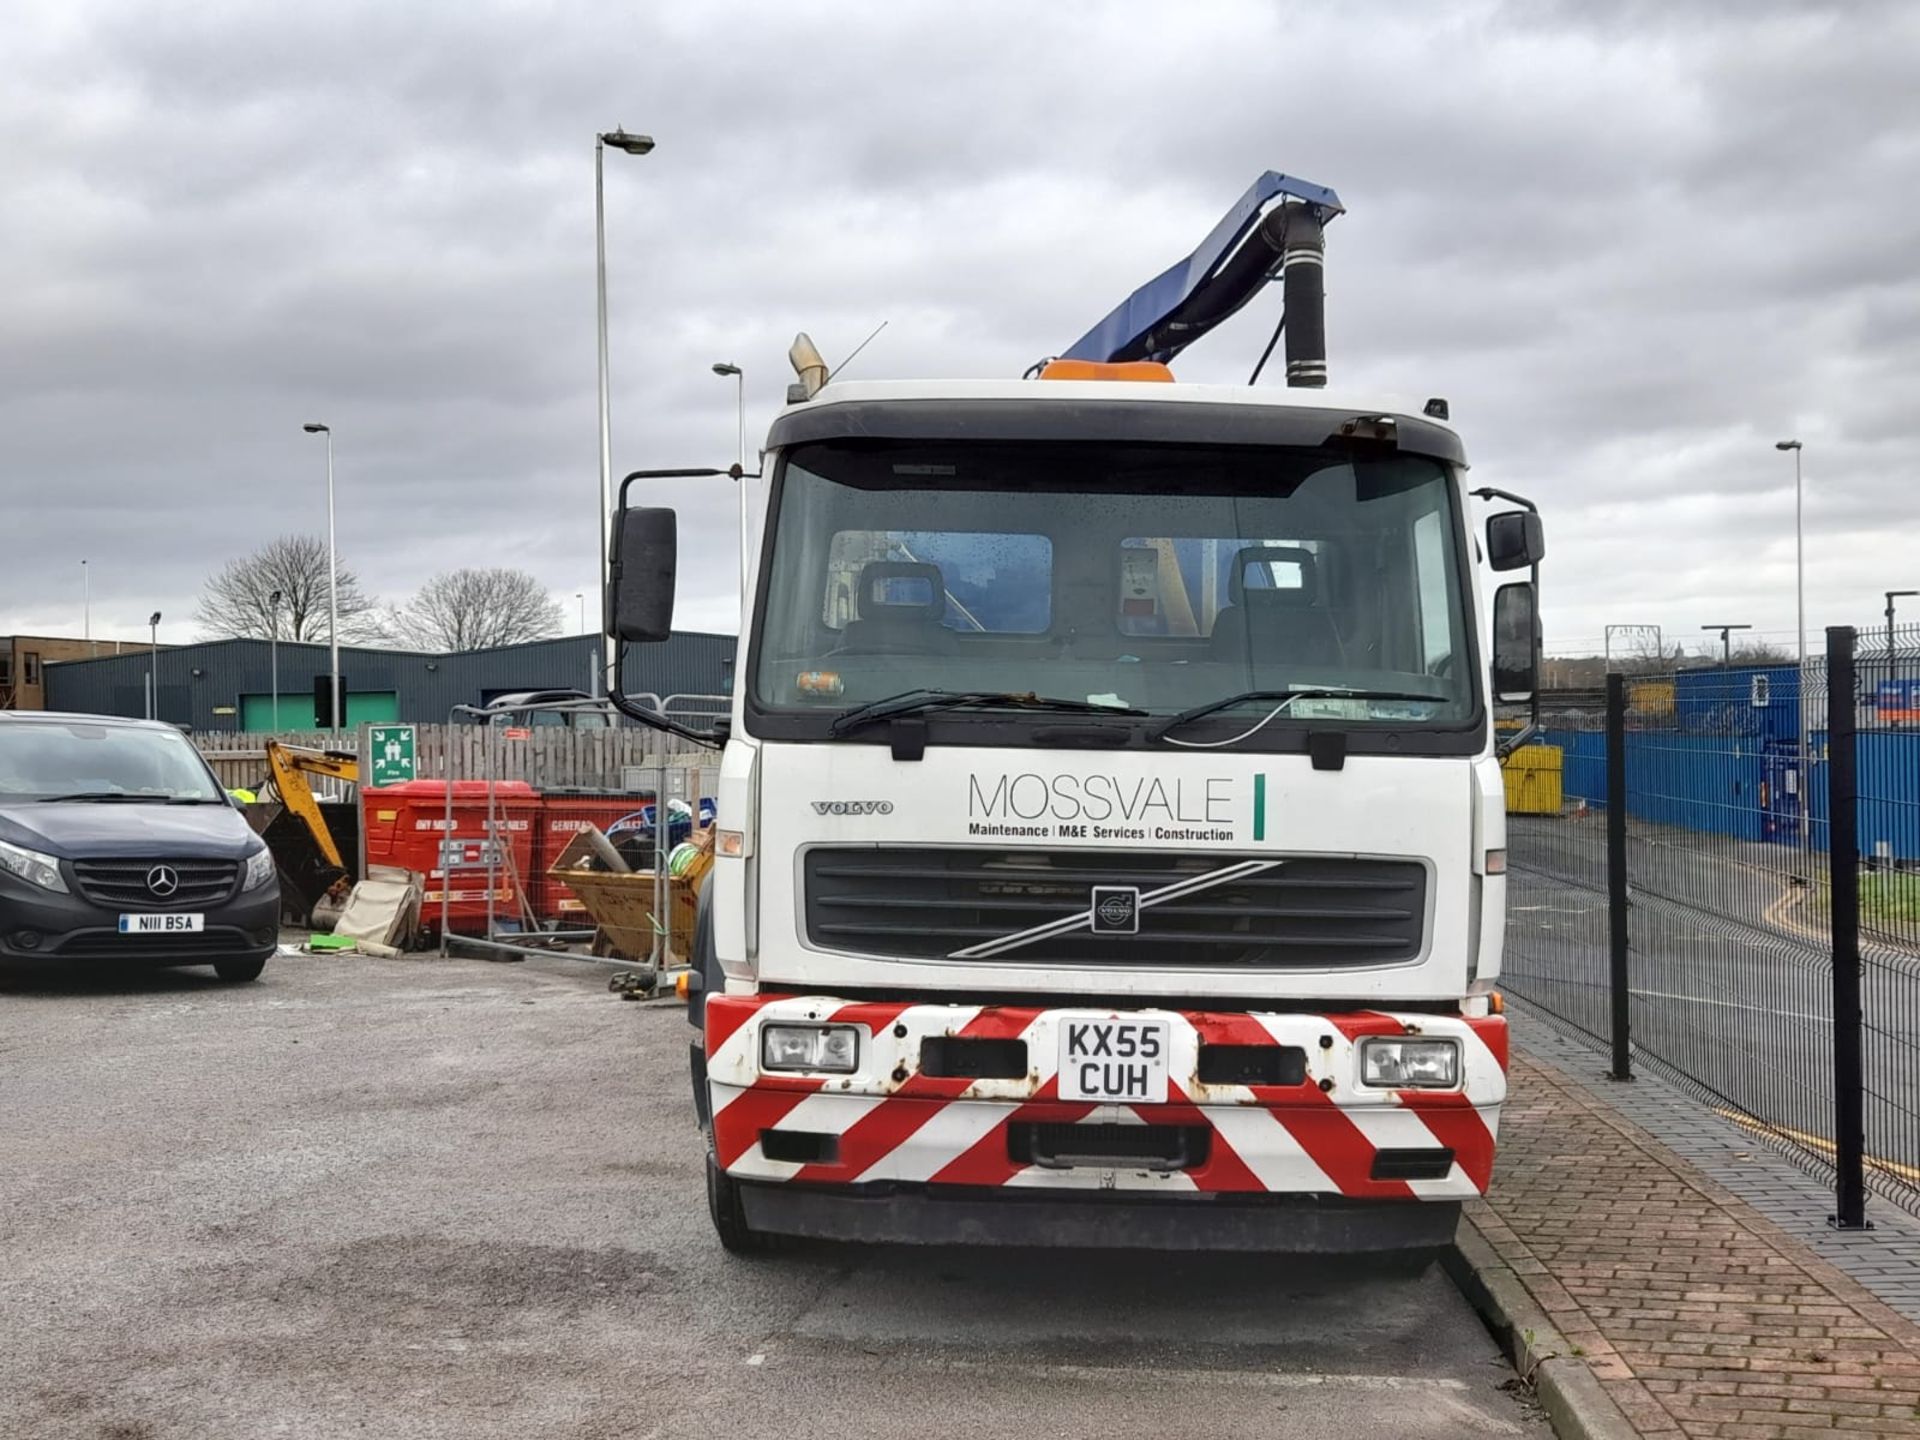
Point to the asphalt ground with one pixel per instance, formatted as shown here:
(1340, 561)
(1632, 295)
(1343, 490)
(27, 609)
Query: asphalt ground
(451, 1198)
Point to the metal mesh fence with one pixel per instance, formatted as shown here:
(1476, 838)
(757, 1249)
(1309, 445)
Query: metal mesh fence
(1556, 952)
(1730, 896)
(543, 837)
(1887, 765)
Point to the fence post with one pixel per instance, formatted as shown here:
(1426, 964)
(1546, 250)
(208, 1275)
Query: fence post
(1843, 865)
(1617, 873)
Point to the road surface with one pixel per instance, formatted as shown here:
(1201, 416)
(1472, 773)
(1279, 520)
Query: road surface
(454, 1199)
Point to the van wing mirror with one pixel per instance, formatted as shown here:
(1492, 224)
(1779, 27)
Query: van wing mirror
(640, 583)
(1516, 644)
(1515, 540)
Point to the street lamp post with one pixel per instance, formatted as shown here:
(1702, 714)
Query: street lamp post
(273, 650)
(334, 716)
(153, 667)
(632, 145)
(1799, 587)
(739, 404)
(1893, 595)
(86, 589)
(1726, 640)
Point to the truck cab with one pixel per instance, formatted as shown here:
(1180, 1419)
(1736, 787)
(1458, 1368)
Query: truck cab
(1111, 838)
(1111, 844)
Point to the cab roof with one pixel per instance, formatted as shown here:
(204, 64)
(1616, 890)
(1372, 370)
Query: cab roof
(1106, 410)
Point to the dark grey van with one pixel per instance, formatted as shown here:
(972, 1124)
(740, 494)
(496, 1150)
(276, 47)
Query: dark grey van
(118, 844)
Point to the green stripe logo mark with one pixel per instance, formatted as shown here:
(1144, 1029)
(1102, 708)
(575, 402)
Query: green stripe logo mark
(1259, 807)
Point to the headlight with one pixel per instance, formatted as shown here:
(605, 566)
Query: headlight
(32, 867)
(1410, 1064)
(834, 1048)
(259, 869)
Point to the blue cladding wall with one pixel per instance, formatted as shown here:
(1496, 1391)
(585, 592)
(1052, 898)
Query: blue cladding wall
(1583, 764)
(1889, 773)
(1699, 782)
(1720, 702)
(1712, 783)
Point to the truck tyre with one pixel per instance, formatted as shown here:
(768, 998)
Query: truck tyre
(239, 972)
(729, 1216)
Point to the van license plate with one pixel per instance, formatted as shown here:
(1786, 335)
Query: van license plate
(1114, 1060)
(162, 924)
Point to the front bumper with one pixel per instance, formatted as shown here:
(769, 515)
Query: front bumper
(41, 927)
(893, 1125)
(931, 1215)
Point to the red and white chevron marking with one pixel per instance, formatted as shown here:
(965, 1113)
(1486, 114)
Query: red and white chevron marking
(895, 1123)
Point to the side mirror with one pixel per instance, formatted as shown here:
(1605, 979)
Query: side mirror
(645, 549)
(1516, 644)
(1515, 540)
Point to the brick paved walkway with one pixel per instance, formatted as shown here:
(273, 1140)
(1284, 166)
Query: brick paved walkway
(1701, 1316)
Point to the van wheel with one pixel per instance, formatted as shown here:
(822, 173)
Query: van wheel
(729, 1215)
(238, 972)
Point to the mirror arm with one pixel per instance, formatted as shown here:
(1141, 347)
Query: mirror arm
(653, 718)
(618, 697)
(1514, 741)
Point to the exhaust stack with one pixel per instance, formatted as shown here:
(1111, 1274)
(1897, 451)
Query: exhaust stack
(1303, 264)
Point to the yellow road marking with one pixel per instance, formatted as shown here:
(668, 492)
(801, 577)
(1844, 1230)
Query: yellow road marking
(1909, 1173)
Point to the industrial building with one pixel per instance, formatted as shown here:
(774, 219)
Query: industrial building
(254, 685)
(24, 658)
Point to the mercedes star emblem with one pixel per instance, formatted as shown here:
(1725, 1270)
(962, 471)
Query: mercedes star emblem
(163, 880)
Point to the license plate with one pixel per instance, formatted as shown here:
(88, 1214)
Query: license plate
(1114, 1060)
(162, 924)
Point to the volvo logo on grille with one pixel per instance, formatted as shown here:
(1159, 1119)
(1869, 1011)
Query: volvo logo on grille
(1116, 910)
(162, 881)
(853, 807)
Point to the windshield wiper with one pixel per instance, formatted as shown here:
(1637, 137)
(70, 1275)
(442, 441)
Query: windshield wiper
(104, 797)
(1286, 698)
(920, 702)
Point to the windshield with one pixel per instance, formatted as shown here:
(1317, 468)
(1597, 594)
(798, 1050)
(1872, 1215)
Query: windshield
(44, 760)
(1160, 577)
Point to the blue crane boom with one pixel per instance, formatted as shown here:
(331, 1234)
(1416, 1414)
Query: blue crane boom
(1247, 249)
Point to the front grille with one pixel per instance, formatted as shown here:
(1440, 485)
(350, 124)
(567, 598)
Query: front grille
(209, 945)
(925, 904)
(1145, 1147)
(124, 882)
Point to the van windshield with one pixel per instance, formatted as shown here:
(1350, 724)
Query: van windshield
(47, 760)
(1157, 577)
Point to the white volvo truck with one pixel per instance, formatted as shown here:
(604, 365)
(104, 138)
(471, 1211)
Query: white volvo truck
(1112, 843)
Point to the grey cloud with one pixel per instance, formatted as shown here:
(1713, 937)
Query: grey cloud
(1633, 245)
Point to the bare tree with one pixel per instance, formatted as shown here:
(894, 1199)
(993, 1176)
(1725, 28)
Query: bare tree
(478, 609)
(238, 600)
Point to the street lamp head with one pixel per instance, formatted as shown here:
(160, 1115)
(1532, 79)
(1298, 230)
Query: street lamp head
(1786, 444)
(632, 144)
(317, 429)
(154, 619)
(275, 598)
(722, 368)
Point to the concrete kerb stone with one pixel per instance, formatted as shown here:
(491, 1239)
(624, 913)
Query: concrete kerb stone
(1577, 1405)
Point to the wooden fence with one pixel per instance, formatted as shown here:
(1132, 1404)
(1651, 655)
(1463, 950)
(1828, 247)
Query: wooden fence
(548, 758)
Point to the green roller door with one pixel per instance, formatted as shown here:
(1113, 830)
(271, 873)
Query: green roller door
(377, 707)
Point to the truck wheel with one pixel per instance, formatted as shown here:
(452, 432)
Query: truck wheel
(238, 972)
(730, 1217)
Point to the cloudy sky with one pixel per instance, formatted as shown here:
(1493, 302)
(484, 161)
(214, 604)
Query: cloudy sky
(1635, 244)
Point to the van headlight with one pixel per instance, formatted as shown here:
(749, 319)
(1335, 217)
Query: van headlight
(1410, 1064)
(832, 1048)
(32, 867)
(259, 869)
